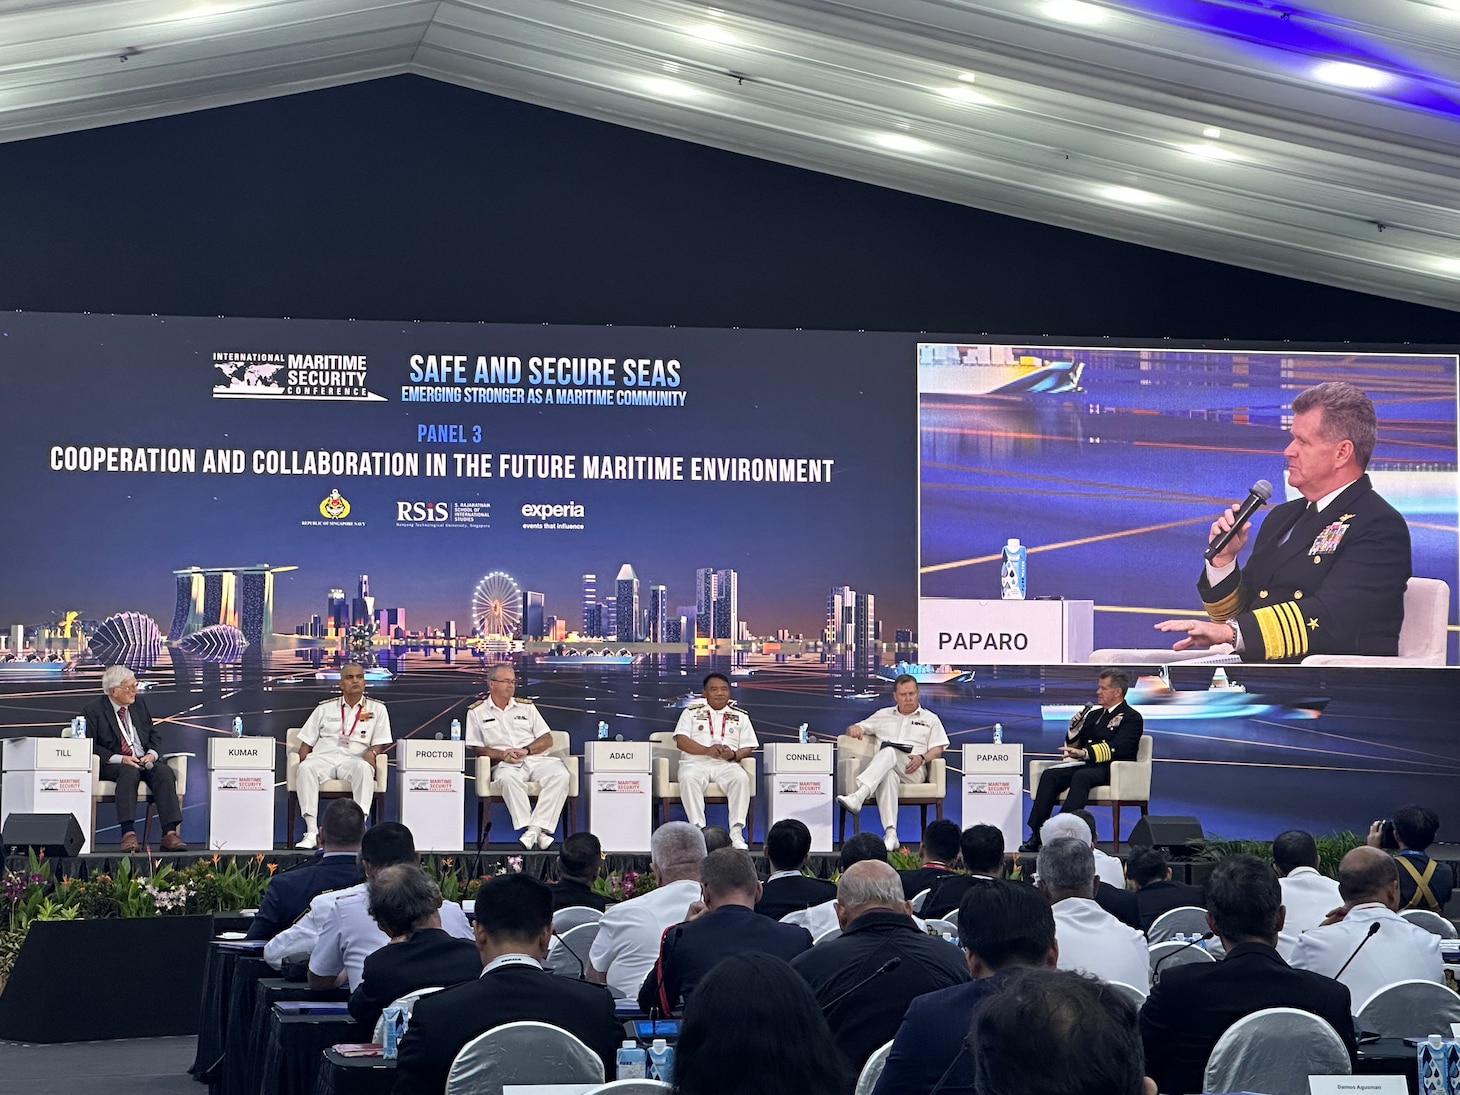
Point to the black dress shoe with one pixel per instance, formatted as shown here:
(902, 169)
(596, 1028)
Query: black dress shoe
(1030, 845)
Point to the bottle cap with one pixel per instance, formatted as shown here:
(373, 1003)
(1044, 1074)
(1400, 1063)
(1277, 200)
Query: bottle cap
(629, 1043)
(660, 1043)
(1013, 542)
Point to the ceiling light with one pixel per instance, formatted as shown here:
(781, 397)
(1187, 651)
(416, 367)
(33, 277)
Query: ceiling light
(1129, 195)
(1074, 11)
(713, 32)
(1348, 74)
(1212, 133)
(901, 142)
(670, 89)
(968, 77)
(961, 94)
(1209, 151)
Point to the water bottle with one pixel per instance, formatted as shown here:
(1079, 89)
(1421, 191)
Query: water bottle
(391, 1020)
(238, 726)
(1012, 570)
(81, 726)
(455, 729)
(998, 733)
(602, 731)
(632, 1062)
(803, 733)
(661, 1061)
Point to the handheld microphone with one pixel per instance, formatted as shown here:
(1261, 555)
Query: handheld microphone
(1257, 496)
(886, 967)
(1373, 931)
(582, 966)
(1156, 969)
(1079, 719)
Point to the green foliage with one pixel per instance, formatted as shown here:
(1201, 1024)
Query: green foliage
(904, 860)
(1331, 849)
(622, 885)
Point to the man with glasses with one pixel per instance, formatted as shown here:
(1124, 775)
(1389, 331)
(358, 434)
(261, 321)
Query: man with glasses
(127, 742)
(340, 740)
(513, 733)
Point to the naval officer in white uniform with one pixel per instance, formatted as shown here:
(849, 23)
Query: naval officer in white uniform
(713, 738)
(340, 740)
(513, 733)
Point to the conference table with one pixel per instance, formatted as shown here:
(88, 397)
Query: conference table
(341, 1075)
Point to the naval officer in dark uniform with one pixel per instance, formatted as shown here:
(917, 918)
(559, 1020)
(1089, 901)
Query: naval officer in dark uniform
(1328, 571)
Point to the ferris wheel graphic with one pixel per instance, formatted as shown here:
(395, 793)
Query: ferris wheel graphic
(496, 605)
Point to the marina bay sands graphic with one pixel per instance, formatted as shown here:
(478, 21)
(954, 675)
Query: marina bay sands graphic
(238, 597)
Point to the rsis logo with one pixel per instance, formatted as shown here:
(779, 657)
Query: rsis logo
(424, 512)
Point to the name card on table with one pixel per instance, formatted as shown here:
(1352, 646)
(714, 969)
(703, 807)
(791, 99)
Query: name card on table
(619, 756)
(257, 752)
(47, 754)
(1357, 1085)
(413, 755)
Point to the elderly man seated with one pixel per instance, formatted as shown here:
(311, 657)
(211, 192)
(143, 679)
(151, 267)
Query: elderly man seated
(1090, 938)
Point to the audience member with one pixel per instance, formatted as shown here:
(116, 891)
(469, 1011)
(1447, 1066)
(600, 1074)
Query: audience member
(981, 847)
(347, 934)
(1308, 896)
(580, 858)
(938, 852)
(514, 925)
(787, 847)
(753, 1025)
(406, 905)
(717, 837)
(865, 978)
(291, 891)
(820, 919)
(722, 923)
(1192, 1005)
(1424, 883)
(1002, 926)
(1090, 938)
(1393, 948)
(1113, 897)
(627, 944)
(1048, 1032)
(1150, 873)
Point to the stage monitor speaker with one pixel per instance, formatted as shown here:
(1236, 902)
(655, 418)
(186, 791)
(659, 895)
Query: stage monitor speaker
(57, 835)
(1173, 834)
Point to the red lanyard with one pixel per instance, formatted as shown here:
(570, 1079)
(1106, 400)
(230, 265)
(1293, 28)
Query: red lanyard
(350, 733)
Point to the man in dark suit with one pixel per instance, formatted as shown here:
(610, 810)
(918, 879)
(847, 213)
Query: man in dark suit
(1150, 872)
(579, 860)
(982, 850)
(514, 927)
(291, 891)
(787, 847)
(1191, 1006)
(1328, 572)
(866, 977)
(1002, 926)
(1105, 731)
(407, 906)
(129, 746)
(938, 852)
(722, 923)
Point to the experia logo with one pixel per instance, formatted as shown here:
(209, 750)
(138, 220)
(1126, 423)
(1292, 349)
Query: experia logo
(542, 510)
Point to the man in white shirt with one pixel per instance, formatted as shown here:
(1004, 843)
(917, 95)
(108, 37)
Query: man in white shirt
(1090, 939)
(1393, 949)
(627, 945)
(348, 933)
(340, 740)
(513, 734)
(713, 738)
(1072, 824)
(907, 736)
(1308, 896)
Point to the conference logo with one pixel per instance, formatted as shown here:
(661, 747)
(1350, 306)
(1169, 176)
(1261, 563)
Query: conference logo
(440, 513)
(335, 506)
(251, 374)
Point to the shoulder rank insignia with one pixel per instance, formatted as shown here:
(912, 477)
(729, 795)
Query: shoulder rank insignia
(478, 703)
(522, 700)
(1327, 541)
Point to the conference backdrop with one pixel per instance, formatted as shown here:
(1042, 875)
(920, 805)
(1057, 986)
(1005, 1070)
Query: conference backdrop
(229, 504)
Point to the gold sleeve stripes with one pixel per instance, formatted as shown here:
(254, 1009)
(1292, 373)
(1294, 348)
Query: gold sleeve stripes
(1223, 610)
(1100, 752)
(1283, 633)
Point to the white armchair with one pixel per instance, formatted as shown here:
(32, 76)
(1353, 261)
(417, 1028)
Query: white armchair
(853, 754)
(105, 790)
(330, 788)
(666, 779)
(489, 790)
(1130, 784)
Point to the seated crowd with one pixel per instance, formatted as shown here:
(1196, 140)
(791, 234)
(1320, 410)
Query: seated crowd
(793, 983)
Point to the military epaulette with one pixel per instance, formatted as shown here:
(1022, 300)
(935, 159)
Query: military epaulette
(522, 700)
(697, 705)
(329, 699)
(478, 703)
(1284, 634)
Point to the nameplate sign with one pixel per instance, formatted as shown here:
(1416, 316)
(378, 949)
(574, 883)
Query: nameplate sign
(47, 754)
(1357, 1085)
(241, 753)
(618, 756)
(412, 755)
(993, 760)
(967, 632)
(814, 757)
